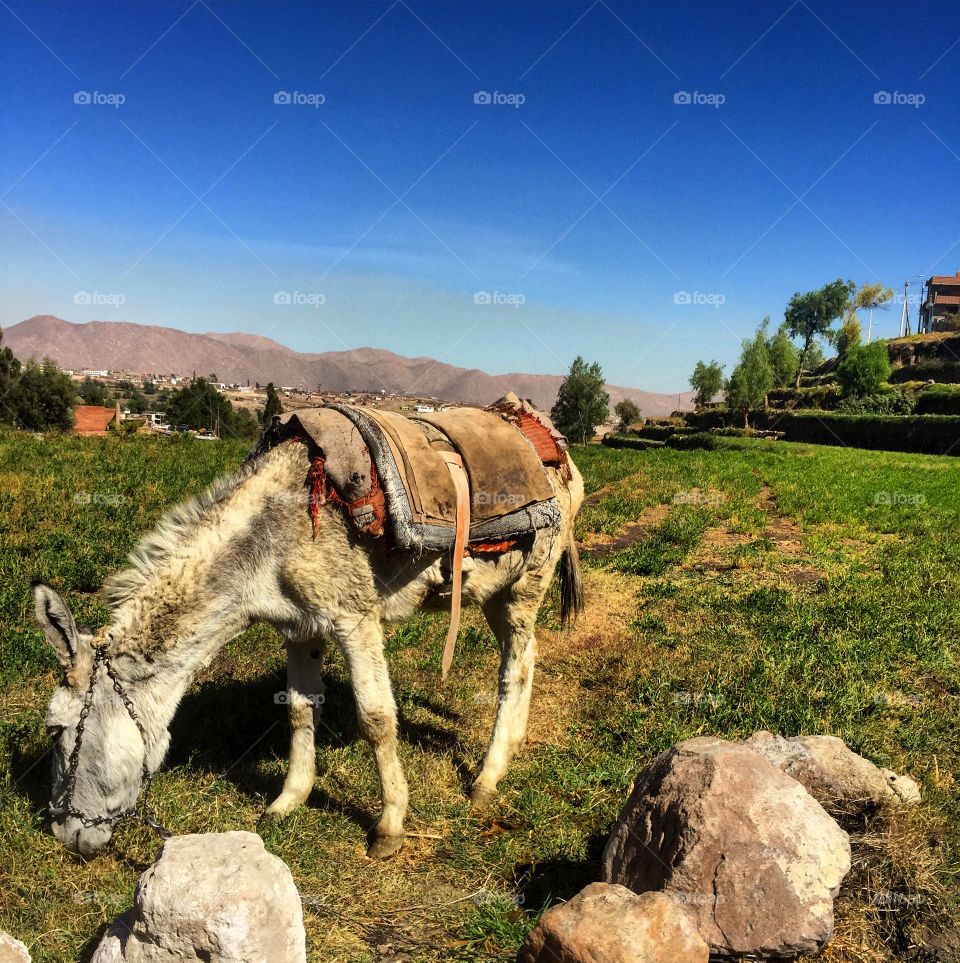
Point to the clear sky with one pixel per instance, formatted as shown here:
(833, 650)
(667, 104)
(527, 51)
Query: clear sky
(595, 213)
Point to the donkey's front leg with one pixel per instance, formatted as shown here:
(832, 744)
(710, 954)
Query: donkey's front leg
(305, 691)
(362, 643)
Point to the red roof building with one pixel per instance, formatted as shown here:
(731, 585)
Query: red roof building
(92, 419)
(941, 297)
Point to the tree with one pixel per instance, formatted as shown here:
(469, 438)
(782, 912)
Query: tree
(849, 336)
(627, 412)
(42, 397)
(865, 368)
(784, 357)
(581, 404)
(752, 378)
(9, 372)
(812, 358)
(810, 316)
(272, 406)
(199, 405)
(93, 392)
(706, 381)
(872, 296)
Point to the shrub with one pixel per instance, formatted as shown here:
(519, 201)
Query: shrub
(864, 369)
(897, 402)
(698, 439)
(630, 441)
(939, 400)
(929, 434)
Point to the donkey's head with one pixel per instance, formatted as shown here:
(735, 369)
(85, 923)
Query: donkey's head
(110, 763)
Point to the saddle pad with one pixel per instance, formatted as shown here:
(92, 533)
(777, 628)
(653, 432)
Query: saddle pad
(366, 450)
(504, 469)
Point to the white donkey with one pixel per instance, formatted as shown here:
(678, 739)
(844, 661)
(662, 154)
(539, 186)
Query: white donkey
(242, 553)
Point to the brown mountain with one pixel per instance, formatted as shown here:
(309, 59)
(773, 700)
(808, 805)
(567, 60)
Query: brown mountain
(122, 345)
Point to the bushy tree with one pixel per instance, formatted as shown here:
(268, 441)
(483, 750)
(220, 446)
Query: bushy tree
(810, 316)
(752, 378)
(199, 405)
(9, 372)
(870, 296)
(864, 370)
(582, 403)
(849, 336)
(627, 411)
(42, 397)
(272, 406)
(706, 381)
(93, 392)
(784, 357)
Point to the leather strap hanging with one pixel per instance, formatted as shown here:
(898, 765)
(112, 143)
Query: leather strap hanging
(459, 475)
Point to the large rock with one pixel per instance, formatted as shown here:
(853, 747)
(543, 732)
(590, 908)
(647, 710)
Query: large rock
(750, 853)
(610, 924)
(833, 773)
(216, 897)
(13, 951)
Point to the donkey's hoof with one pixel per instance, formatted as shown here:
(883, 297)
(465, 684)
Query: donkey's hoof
(383, 847)
(482, 798)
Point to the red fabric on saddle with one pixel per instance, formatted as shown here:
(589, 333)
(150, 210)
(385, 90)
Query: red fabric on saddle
(368, 512)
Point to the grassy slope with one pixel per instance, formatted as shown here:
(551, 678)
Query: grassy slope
(793, 588)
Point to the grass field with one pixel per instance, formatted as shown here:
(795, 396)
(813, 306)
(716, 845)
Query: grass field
(791, 588)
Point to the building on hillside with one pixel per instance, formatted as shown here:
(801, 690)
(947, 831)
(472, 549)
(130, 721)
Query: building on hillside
(94, 420)
(941, 297)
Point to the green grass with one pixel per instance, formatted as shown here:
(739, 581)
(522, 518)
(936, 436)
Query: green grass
(787, 587)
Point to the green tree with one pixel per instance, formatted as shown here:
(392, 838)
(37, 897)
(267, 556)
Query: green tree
(864, 370)
(9, 372)
(582, 403)
(42, 397)
(784, 357)
(849, 336)
(272, 406)
(810, 316)
(706, 381)
(93, 392)
(752, 378)
(869, 297)
(627, 412)
(199, 405)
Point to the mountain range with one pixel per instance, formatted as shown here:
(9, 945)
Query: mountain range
(241, 358)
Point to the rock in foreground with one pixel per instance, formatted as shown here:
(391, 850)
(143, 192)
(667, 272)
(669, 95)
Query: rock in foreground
(835, 775)
(217, 897)
(752, 856)
(610, 924)
(12, 951)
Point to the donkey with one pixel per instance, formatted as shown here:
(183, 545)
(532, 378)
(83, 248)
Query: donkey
(246, 552)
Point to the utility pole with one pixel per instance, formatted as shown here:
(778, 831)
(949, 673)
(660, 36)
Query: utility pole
(905, 313)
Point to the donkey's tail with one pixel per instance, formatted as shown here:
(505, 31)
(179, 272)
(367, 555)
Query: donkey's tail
(571, 582)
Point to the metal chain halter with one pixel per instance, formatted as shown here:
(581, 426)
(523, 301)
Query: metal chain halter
(66, 807)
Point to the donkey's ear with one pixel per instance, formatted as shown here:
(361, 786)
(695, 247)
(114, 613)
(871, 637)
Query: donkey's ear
(58, 626)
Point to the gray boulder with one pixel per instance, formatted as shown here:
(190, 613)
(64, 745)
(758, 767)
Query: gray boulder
(216, 897)
(12, 951)
(751, 855)
(834, 774)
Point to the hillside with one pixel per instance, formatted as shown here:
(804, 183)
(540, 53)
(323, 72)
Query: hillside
(123, 345)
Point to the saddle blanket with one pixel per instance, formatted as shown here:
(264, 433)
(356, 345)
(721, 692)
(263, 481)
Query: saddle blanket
(390, 475)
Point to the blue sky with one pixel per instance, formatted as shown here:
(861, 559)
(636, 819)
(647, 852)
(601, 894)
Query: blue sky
(583, 199)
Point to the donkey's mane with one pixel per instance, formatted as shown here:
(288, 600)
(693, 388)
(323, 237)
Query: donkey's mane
(173, 529)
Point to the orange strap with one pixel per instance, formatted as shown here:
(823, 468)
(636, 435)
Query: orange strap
(459, 475)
